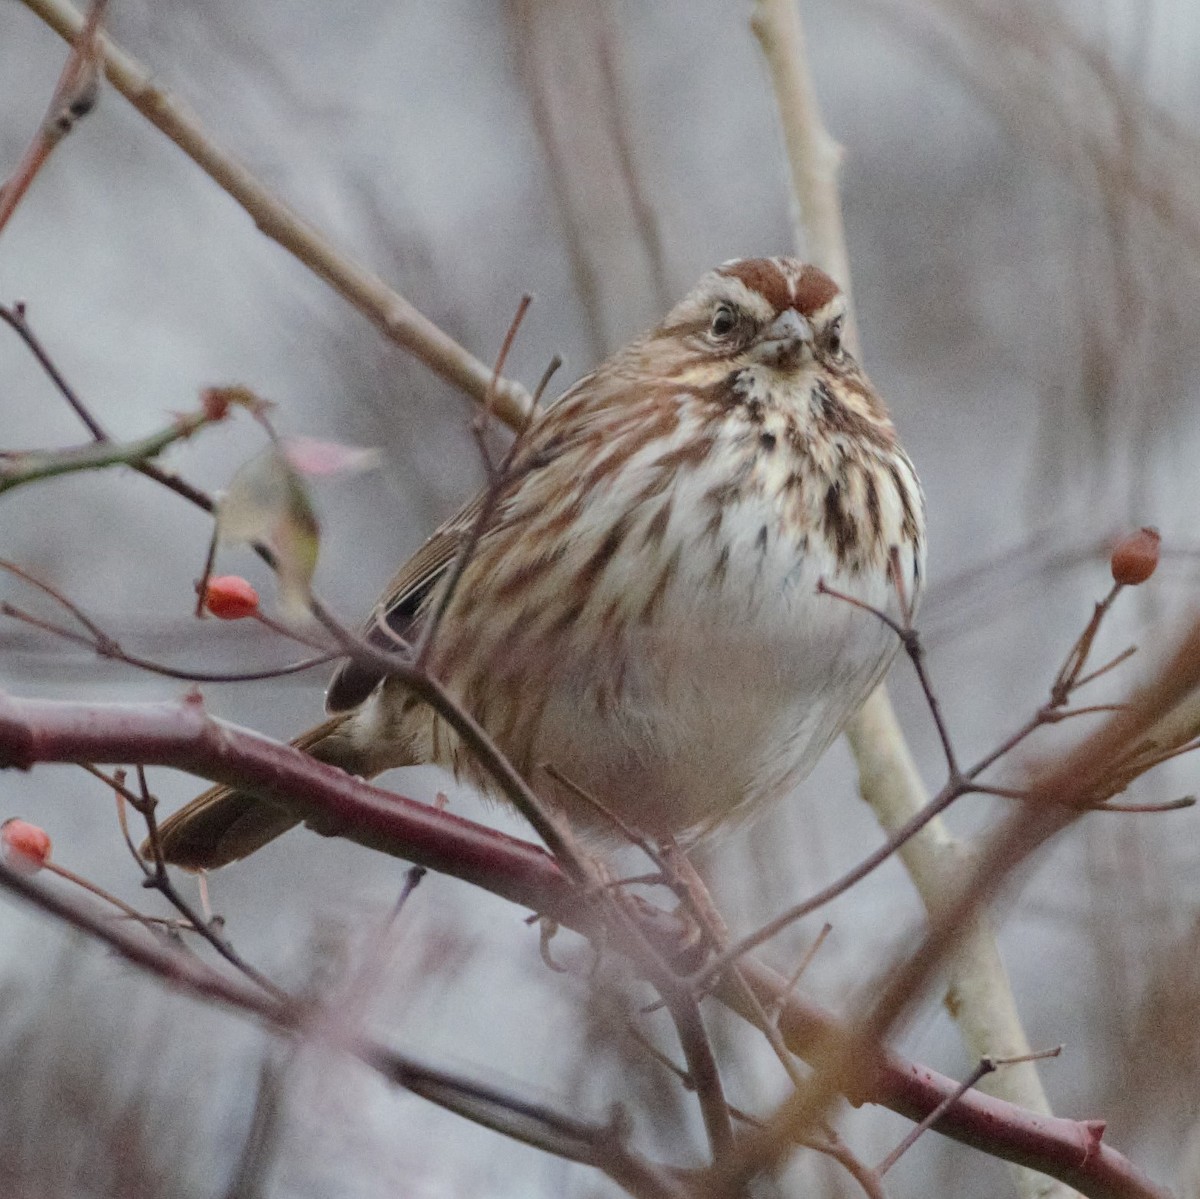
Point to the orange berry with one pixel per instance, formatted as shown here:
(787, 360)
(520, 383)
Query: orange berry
(1135, 556)
(230, 597)
(26, 848)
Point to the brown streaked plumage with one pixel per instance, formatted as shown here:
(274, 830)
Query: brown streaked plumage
(641, 608)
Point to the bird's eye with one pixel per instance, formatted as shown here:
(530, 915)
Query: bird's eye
(833, 339)
(724, 321)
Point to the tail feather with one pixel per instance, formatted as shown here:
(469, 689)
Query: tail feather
(223, 824)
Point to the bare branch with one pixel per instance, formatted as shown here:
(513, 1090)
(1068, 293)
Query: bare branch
(183, 736)
(106, 646)
(533, 1123)
(74, 97)
(1060, 795)
(987, 1065)
(31, 466)
(393, 315)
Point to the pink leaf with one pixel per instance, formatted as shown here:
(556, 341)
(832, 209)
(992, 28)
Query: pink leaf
(309, 456)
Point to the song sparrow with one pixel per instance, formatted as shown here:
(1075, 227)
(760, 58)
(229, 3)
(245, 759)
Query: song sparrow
(641, 609)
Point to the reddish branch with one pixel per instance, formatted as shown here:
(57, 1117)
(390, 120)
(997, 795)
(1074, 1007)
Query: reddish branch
(184, 736)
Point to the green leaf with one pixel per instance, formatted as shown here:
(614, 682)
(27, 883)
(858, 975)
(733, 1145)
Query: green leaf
(267, 501)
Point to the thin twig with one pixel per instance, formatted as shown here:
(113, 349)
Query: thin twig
(832, 1146)
(95, 889)
(552, 368)
(74, 97)
(159, 880)
(497, 477)
(1122, 657)
(18, 469)
(696, 895)
(685, 1079)
(412, 879)
(911, 641)
(987, 1065)
(1054, 715)
(597, 1145)
(16, 319)
(111, 650)
(1069, 673)
(895, 840)
(631, 834)
(1172, 805)
(1009, 743)
(796, 975)
(210, 561)
(107, 646)
(122, 817)
(57, 596)
(483, 418)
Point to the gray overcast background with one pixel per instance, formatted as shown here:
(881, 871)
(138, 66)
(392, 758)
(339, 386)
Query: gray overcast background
(1020, 189)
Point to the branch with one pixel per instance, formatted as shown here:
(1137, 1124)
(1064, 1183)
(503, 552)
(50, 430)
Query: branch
(986, 1066)
(1177, 736)
(74, 97)
(532, 1123)
(182, 735)
(1059, 795)
(390, 312)
(814, 158)
(978, 992)
(17, 468)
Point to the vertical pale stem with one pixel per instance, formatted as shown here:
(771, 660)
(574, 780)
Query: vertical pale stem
(814, 157)
(979, 995)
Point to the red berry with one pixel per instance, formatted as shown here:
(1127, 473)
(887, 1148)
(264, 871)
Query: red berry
(26, 847)
(1135, 556)
(230, 597)
(214, 403)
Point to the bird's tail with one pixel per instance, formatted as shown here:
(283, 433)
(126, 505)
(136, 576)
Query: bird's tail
(225, 824)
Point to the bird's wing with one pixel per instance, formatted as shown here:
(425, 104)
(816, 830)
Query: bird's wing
(564, 421)
(396, 609)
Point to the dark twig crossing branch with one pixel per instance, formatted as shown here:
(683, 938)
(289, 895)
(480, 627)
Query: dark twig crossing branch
(987, 1065)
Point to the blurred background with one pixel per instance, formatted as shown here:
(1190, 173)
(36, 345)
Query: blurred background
(1022, 205)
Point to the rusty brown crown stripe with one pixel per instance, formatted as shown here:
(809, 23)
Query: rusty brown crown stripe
(810, 292)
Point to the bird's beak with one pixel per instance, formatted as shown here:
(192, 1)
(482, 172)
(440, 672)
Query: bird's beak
(783, 342)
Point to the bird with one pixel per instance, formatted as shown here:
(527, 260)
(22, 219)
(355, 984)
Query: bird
(667, 593)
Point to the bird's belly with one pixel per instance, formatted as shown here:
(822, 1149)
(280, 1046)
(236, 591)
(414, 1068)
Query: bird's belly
(723, 701)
